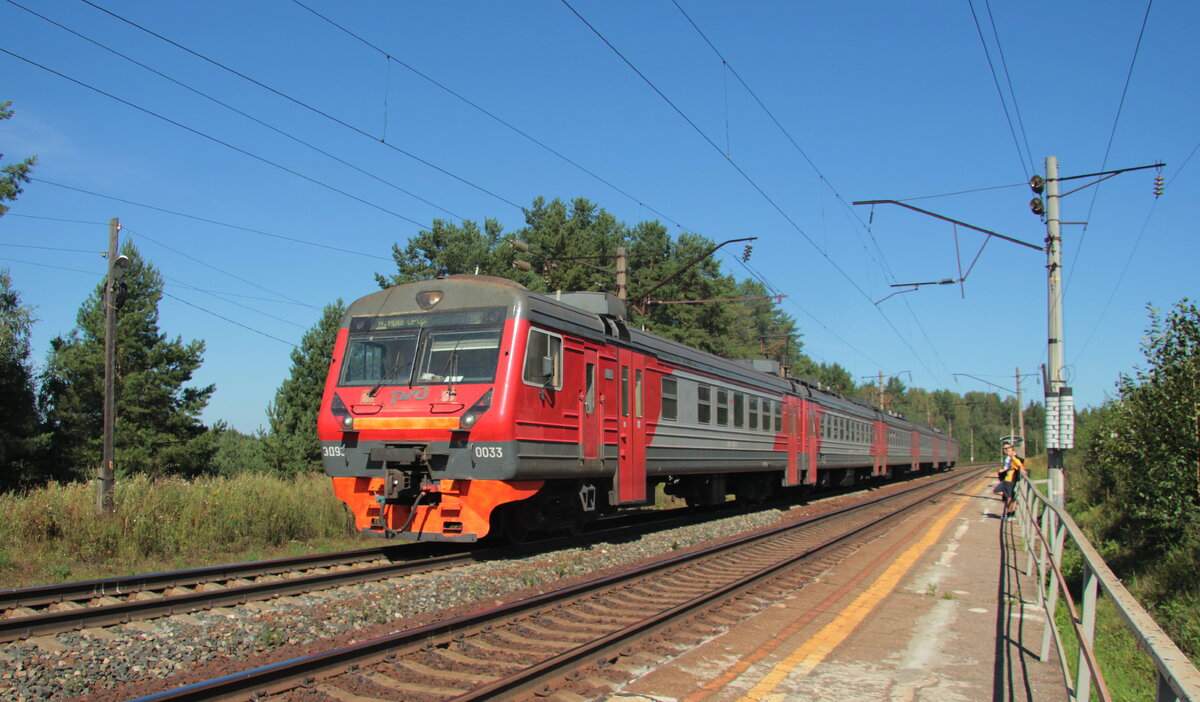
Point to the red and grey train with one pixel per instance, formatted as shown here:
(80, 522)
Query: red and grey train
(465, 406)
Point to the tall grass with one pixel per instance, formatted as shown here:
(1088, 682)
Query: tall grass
(166, 520)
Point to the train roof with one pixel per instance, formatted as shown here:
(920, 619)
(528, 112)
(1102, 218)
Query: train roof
(601, 317)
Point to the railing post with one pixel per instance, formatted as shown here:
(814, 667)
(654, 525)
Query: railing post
(1056, 541)
(1043, 569)
(1164, 693)
(1083, 684)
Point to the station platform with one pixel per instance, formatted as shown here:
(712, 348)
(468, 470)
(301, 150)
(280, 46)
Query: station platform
(938, 609)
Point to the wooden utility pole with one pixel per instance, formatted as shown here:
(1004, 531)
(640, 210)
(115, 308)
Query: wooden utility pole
(104, 487)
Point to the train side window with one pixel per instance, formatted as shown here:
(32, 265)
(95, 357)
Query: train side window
(637, 394)
(766, 415)
(624, 391)
(777, 410)
(753, 412)
(670, 399)
(589, 392)
(703, 404)
(543, 360)
(722, 407)
(739, 409)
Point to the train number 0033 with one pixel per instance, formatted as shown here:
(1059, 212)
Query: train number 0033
(489, 452)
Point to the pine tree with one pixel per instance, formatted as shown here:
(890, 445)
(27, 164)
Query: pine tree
(21, 439)
(157, 421)
(14, 174)
(292, 444)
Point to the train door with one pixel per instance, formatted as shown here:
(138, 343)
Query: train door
(880, 449)
(793, 425)
(812, 440)
(631, 429)
(589, 409)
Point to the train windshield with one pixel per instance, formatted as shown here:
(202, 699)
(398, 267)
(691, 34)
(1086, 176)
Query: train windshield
(422, 349)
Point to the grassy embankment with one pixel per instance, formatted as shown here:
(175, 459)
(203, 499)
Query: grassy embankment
(54, 534)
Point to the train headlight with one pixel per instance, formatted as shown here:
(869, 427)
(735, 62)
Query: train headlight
(342, 413)
(429, 298)
(472, 415)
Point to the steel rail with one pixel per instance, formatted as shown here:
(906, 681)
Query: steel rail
(123, 612)
(284, 675)
(43, 623)
(42, 595)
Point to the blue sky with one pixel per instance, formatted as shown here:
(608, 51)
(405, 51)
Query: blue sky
(876, 101)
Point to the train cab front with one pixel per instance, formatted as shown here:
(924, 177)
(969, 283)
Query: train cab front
(413, 423)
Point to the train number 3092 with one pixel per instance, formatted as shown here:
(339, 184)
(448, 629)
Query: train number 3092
(489, 452)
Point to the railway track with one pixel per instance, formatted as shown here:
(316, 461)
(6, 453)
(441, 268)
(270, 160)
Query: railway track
(51, 609)
(573, 639)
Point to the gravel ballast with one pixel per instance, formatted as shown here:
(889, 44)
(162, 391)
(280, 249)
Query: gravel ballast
(139, 657)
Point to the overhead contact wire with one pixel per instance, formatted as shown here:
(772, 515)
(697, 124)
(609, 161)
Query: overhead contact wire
(231, 108)
(205, 220)
(1111, 137)
(306, 106)
(211, 138)
(489, 114)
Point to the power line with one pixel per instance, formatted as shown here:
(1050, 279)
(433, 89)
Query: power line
(202, 219)
(243, 326)
(55, 219)
(211, 138)
(1008, 78)
(963, 192)
(748, 179)
(996, 81)
(783, 130)
(231, 108)
(215, 268)
(1111, 137)
(449, 91)
(305, 105)
(745, 176)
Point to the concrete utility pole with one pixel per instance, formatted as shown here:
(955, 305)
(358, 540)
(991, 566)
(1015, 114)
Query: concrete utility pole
(621, 277)
(1021, 415)
(1060, 407)
(104, 488)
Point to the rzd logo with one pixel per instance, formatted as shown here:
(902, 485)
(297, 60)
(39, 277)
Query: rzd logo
(414, 394)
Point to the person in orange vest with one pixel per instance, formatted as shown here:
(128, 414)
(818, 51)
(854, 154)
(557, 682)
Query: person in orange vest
(1012, 467)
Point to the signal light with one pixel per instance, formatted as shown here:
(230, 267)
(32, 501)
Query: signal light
(1037, 206)
(1038, 184)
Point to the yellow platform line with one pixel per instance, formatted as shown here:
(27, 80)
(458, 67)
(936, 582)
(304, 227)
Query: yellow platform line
(812, 652)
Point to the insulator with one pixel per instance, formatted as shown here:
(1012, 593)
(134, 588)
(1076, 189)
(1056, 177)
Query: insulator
(1158, 185)
(746, 253)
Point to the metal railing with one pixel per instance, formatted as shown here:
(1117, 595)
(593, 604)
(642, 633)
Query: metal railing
(1044, 528)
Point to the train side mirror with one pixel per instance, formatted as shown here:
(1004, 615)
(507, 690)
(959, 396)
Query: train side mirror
(547, 369)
